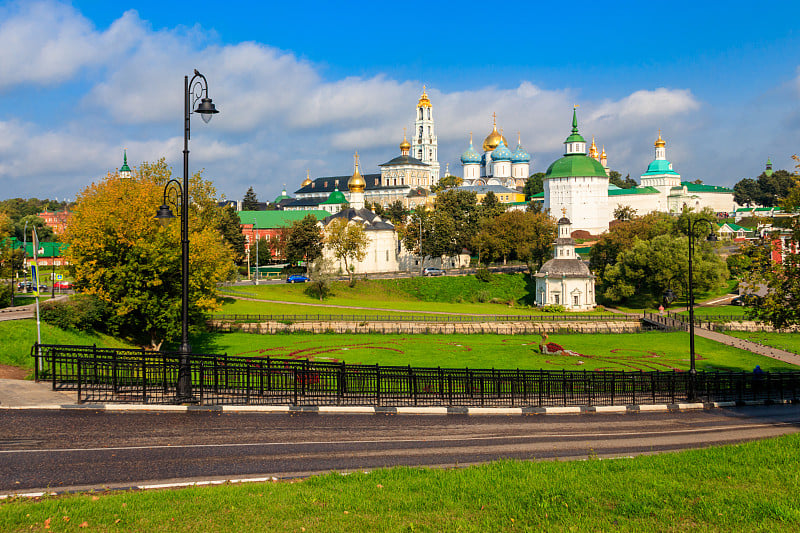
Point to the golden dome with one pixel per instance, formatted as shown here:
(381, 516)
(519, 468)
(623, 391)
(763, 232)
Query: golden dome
(660, 142)
(492, 141)
(603, 153)
(356, 183)
(593, 149)
(307, 181)
(405, 146)
(423, 100)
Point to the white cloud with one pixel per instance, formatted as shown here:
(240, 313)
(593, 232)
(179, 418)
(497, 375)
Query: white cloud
(48, 43)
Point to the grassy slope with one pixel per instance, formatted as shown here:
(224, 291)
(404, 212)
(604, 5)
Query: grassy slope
(640, 351)
(450, 294)
(18, 336)
(744, 487)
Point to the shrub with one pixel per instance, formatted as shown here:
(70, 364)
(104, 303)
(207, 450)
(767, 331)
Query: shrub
(483, 296)
(83, 312)
(483, 274)
(553, 309)
(289, 270)
(5, 295)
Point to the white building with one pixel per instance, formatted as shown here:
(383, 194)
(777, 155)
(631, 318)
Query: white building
(565, 279)
(425, 146)
(577, 185)
(498, 165)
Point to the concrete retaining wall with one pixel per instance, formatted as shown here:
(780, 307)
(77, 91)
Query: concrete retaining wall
(500, 328)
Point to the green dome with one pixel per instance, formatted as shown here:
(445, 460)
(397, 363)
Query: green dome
(659, 166)
(336, 197)
(575, 165)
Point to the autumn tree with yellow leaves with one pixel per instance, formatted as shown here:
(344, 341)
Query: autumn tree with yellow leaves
(121, 254)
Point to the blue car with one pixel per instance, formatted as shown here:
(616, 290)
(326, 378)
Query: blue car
(296, 278)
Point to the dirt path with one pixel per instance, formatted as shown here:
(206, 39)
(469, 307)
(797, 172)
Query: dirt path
(12, 372)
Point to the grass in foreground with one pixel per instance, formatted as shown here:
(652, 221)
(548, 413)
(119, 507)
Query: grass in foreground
(784, 341)
(630, 351)
(744, 487)
(18, 336)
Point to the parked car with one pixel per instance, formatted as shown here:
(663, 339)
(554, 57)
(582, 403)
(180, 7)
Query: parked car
(42, 287)
(296, 278)
(24, 286)
(744, 299)
(62, 285)
(430, 271)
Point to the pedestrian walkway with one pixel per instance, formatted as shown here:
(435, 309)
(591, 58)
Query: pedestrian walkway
(769, 351)
(24, 393)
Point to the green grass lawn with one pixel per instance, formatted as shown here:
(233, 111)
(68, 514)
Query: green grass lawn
(785, 341)
(716, 313)
(632, 351)
(743, 487)
(18, 336)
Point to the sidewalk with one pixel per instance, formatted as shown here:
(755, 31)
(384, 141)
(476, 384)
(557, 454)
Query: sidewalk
(769, 351)
(25, 393)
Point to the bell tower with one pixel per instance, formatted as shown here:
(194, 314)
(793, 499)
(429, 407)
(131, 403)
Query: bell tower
(424, 145)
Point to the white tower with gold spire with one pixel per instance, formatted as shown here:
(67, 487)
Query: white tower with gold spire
(659, 173)
(424, 145)
(356, 186)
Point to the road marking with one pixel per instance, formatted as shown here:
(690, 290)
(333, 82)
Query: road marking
(709, 429)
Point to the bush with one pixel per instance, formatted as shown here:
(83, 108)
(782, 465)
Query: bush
(483, 274)
(5, 295)
(82, 312)
(553, 309)
(289, 270)
(483, 296)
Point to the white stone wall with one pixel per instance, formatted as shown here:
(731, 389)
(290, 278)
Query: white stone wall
(381, 255)
(575, 294)
(584, 198)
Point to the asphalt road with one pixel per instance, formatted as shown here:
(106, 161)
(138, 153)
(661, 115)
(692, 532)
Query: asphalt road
(80, 450)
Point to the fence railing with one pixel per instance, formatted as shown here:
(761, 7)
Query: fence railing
(423, 317)
(137, 376)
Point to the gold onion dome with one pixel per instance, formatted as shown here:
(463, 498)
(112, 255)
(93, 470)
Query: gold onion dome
(423, 100)
(405, 146)
(492, 141)
(593, 149)
(306, 181)
(660, 142)
(356, 183)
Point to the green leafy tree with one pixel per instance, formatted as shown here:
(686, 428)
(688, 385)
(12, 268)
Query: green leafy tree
(490, 207)
(455, 221)
(615, 178)
(119, 253)
(264, 250)
(780, 306)
(230, 228)
(348, 242)
(304, 241)
(624, 212)
(250, 200)
(447, 182)
(396, 213)
(534, 185)
(523, 236)
(746, 192)
(620, 236)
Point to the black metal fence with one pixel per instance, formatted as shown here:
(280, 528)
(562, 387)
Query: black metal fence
(138, 376)
(423, 317)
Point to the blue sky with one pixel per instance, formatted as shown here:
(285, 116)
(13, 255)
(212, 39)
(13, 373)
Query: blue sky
(302, 85)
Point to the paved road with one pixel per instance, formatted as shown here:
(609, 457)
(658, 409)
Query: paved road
(87, 449)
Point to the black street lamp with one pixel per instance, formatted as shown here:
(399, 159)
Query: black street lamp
(711, 237)
(194, 91)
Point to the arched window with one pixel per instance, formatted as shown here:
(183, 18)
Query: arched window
(420, 113)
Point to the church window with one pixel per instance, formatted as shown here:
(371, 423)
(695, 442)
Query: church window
(420, 113)
(387, 255)
(429, 130)
(429, 113)
(420, 153)
(575, 300)
(556, 299)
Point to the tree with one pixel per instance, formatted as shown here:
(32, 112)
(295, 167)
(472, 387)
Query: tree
(624, 212)
(647, 268)
(43, 231)
(489, 208)
(746, 192)
(304, 241)
(524, 236)
(780, 306)
(447, 182)
(264, 249)
(348, 242)
(455, 221)
(119, 253)
(620, 237)
(697, 182)
(396, 213)
(534, 185)
(230, 228)
(250, 200)
(615, 178)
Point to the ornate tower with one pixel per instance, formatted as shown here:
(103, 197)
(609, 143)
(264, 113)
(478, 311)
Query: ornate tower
(424, 145)
(125, 170)
(356, 185)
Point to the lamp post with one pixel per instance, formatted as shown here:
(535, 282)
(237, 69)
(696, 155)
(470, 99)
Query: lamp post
(194, 91)
(25, 258)
(711, 237)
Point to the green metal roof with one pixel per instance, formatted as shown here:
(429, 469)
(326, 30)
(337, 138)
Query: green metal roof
(573, 165)
(574, 136)
(125, 167)
(633, 190)
(336, 197)
(693, 187)
(47, 249)
(277, 219)
(659, 166)
(538, 195)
